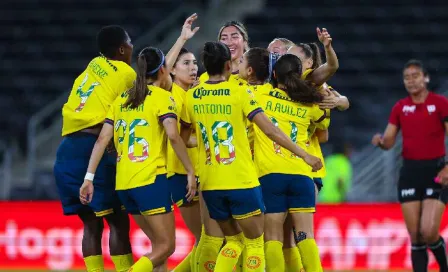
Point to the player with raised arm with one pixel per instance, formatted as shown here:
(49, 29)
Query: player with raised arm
(184, 71)
(139, 122)
(229, 183)
(94, 90)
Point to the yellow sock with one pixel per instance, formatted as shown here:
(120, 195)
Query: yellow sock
(239, 267)
(293, 261)
(310, 255)
(94, 263)
(275, 262)
(192, 258)
(207, 253)
(229, 254)
(142, 265)
(197, 254)
(122, 263)
(185, 266)
(255, 260)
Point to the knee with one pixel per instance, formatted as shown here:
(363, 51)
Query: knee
(94, 229)
(169, 248)
(415, 236)
(429, 233)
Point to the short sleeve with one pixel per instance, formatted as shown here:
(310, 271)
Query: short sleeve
(443, 107)
(127, 81)
(250, 104)
(394, 117)
(166, 108)
(110, 116)
(306, 73)
(320, 117)
(185, 119)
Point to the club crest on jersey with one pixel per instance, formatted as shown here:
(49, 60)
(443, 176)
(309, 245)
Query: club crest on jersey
(407, 109)
(431, 108)
(200, 92)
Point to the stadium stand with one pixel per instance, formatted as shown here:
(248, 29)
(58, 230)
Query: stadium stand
(373, 39)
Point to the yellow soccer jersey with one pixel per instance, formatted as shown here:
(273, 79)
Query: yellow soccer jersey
(93, 93)
(219, 113)
(140, 138)
(293, 119)
(174, 165)
(250, 130)
(234, 78)
(315, 150)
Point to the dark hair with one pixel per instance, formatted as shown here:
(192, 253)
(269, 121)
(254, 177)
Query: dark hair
(109, 39)
(214, 56)
(241, 29)
(312, 51)
(149, 62)
(262, 62)
(182, 52)
(288, 71)
(417, 63)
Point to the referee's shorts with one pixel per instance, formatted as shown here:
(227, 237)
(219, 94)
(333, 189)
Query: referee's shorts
(416, 182)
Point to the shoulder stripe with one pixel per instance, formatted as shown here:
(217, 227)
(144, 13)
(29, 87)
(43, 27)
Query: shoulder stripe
(166, 116)
(322, 117)
(252, 114)
(109, 121)
(185, 124)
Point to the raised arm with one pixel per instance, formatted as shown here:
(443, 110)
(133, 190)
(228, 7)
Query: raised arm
(186, 34)
(324, 72)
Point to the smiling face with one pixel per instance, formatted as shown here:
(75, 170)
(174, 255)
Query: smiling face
(232, 37)
(185, 70)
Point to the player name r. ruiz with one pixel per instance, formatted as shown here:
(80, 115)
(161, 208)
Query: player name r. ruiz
(200, 92)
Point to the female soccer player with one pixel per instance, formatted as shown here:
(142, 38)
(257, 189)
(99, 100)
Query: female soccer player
(234, 35)
(104, 79)
(280, 46)
(311, 59)
(285, 179)
(229, 182)
(139, 123)
(184, 71)
(423, 119)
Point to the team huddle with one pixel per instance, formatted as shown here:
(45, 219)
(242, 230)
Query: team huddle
(237, 150)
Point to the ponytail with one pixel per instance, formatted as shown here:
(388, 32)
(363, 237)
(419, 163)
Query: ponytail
(298, 90)
(137, 94)
(316, 56)
(152, 59)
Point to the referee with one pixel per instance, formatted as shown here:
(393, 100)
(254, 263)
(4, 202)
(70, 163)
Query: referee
(423, 119)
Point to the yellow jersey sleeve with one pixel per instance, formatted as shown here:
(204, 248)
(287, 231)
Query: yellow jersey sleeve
(320, 117)
(306, 73)
(250, 105)
(166, 108)
(93, 92)
(204, 77)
